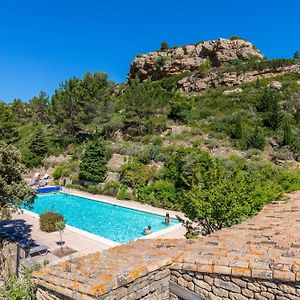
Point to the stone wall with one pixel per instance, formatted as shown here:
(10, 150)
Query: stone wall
(217, 287)
(8, 259)
(153, 286)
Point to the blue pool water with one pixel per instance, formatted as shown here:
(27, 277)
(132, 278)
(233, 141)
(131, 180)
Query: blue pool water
(113, 222)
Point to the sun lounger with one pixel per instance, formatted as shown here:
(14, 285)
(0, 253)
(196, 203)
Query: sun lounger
(31, 249)
(38, 250)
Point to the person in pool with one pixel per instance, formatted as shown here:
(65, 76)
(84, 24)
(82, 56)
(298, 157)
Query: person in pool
(167, 219)
(147, 230)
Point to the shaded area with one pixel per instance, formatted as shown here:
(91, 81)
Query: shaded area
(17, 231)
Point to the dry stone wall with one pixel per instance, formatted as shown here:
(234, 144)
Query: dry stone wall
(8, 259)
(154, 286)
(217, 287)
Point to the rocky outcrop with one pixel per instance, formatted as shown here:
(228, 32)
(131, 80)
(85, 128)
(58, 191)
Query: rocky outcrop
(159, 64)
(192, 82)
(201, 65)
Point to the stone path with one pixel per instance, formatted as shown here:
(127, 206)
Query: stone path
(264, 247)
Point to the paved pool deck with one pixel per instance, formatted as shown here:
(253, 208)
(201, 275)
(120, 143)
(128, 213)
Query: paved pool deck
(83, 242)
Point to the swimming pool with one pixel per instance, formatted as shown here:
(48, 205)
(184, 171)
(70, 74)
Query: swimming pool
(112, 222)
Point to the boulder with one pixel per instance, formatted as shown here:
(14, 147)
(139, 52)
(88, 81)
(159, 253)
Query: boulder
(275, 85)
(235, 91)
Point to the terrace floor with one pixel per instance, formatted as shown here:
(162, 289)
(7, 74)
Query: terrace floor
(82, 242)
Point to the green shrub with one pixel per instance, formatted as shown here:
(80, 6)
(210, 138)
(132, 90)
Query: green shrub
(18, 289)
(289, 180)
(136, 174)
(160, 193)
(237, 132)
(287, 133)
(76, 187)
(65, 169)
(48, 221)
(124, 193)
(58, 172)
(256, 140)
(164, 46)
(236, 37)
(111, 188)
(203, 69)
(94, 189)
(160, 62)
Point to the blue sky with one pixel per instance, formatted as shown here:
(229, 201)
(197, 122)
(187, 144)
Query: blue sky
(44, 42)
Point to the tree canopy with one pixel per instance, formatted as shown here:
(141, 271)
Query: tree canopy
(13, 190)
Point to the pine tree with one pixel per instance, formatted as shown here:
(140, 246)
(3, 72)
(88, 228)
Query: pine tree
(93, 162)
(238, 130)
(287, 133)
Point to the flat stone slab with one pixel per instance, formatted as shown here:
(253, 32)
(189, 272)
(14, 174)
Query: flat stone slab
(266, 246)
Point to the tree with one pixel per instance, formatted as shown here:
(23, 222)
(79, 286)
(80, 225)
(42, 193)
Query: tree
(146, 107)
(60, 226)
(268, 105)
(256, 140)
(93, 161)
(37, 150)
(287, 133)
(238, 129)
(39, 106)
(14, 192)
(296, 55)
(8, 124)
(77, 101)
(164, 46)
(220, 198)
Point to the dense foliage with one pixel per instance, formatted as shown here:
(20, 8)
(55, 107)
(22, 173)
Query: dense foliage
(93, 161)
(19, 288)
(13, 190)
(49, 221)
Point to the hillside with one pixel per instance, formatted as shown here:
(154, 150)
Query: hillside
(194, 127)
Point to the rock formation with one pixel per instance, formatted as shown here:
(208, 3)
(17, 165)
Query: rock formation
(159, 64)
(201, 65)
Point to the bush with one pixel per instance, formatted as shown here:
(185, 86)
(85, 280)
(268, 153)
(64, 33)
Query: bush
(19, 289)
(111, 188)
(94, 189)
(256, 140)
(48, 221)
(124, 193)
(164, 46)
(76, 187)
(203, 69)
(58, 172)
(160, 62)
(136, 174)
(161, 193)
